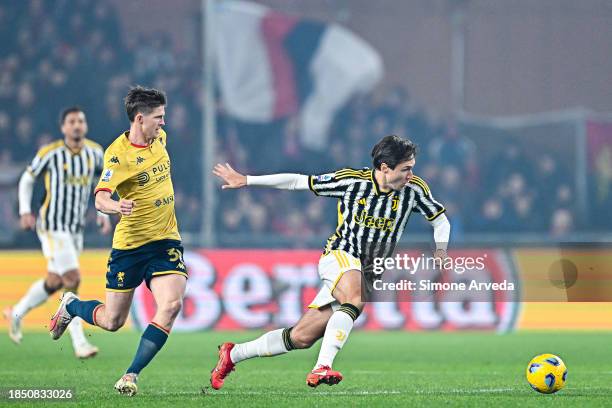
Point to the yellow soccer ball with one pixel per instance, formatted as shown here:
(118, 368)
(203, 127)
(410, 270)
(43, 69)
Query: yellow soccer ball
(546, 373)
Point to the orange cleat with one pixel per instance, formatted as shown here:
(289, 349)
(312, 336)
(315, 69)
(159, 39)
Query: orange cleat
(224, 366)
(323, 375)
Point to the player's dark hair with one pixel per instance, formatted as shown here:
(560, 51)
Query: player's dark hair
(143, 100)
(392, 150)
(68, 111)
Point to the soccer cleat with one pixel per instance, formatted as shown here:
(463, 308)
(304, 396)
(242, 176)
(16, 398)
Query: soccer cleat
(14, 326)
(86, 351)
(323, 375)
(61, 319)
(127, 385)
(224, 366)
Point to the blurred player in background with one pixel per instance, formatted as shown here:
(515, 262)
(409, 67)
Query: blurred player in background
(69, 166)
(146, 244)
(373, 208)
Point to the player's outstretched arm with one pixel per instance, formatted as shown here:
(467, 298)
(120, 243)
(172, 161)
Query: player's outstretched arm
(107, 205)
(283, 181)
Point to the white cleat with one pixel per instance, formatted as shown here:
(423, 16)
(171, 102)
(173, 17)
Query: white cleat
(61, 319)
(127, 385)
(14, 326)
(86, 351)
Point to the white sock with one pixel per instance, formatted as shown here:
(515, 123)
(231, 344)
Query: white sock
(268, 345)
(33, 297)
(76, 333)
(336, 333)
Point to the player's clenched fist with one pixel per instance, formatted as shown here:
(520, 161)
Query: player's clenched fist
(126, 206)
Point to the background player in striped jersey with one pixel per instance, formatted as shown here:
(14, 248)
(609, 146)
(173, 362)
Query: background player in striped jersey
(146, 243)
(70, 166)
(373, 208)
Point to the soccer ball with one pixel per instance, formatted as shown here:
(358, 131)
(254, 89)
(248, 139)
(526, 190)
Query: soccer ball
(546, 373)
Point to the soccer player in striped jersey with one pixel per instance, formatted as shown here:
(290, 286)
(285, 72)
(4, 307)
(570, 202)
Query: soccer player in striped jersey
(373, 208)
(69, 167)
(146, 243)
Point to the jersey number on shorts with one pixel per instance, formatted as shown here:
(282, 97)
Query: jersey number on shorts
(175, 255)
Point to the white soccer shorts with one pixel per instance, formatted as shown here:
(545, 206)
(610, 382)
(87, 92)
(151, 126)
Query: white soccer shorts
(331, 268)
(62, 250)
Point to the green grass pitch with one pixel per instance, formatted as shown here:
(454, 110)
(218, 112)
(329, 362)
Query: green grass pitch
(379, 368)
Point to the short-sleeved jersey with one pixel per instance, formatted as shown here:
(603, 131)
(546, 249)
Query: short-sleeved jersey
(371, 222)
(142, 174)
(68, 178)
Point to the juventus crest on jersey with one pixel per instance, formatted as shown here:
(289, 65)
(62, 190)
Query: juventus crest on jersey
(68, 180)
(370, 222)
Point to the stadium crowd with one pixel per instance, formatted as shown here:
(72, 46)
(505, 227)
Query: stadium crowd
(48, 62)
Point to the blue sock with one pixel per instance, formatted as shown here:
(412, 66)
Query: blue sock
(151, 342)
(85, 309)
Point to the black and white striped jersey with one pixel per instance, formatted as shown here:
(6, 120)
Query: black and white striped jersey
(68, 181)
(371, 222)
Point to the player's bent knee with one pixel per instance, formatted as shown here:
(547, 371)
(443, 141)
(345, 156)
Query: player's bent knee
(53, 283)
